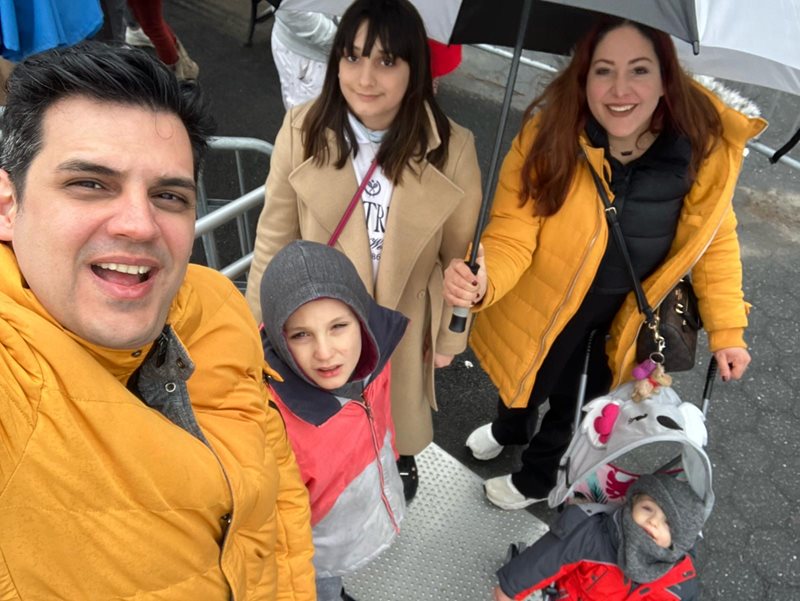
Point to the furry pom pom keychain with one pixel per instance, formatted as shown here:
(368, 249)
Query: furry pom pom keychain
(645, 387)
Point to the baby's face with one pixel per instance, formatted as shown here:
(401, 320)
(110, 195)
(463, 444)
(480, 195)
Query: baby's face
(647, 514)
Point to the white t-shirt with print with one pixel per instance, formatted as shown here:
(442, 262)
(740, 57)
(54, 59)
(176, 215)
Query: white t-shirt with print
(377, 193)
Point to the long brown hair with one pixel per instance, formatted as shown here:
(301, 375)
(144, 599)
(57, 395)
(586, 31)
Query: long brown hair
(399, 28)
(552, 159)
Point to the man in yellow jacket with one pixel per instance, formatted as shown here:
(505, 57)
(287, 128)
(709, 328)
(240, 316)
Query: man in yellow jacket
(139, 457)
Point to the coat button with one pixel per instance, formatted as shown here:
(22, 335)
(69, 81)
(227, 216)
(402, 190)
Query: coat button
(421, 294)
(170, 387)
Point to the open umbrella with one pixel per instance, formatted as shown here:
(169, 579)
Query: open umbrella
(751, 42)
(745, 45)
(741, 39)
(549, 26)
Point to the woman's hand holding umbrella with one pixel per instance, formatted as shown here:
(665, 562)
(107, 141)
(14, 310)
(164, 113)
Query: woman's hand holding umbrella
(462, 288)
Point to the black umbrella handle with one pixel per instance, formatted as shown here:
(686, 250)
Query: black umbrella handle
(458, 322)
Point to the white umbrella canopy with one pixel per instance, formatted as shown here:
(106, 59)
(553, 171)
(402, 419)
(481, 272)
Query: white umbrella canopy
(750, 42)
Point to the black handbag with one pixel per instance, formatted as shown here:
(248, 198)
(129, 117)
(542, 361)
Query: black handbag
(669, 333)
(678, 323)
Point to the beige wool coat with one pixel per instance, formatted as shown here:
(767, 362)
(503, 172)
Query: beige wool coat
(431, 220)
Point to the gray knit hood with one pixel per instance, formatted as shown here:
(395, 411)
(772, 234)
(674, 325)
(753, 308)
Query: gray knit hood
(639, 557)
(304, 271)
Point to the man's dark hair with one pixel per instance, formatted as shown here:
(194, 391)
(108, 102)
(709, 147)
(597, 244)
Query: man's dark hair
(114, 74)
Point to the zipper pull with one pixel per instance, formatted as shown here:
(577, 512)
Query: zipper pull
(226, 524)
(161, 349)
(367, 406)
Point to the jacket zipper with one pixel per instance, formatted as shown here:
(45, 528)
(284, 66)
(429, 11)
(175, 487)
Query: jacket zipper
(226, 520)
(370, 418)
(552, 322)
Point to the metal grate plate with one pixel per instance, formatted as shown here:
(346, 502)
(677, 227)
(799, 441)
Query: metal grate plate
(451, 542)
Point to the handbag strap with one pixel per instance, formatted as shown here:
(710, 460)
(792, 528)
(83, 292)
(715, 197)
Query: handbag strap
(353, 202)
(619, 239)
(650, 316)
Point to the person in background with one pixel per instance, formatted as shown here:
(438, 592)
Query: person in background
(150, 16)
(31, 26)
(134, 36)
(669, 153)
(140, 457)
(330, 344)
(301, 43)
(113, 29)
(376, 124)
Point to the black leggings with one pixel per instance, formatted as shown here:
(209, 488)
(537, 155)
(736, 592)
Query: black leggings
(558, 380)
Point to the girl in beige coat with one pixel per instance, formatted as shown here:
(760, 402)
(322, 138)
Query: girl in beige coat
(419, 205)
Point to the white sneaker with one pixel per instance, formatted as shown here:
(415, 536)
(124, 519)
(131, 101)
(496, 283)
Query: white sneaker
(137, 37)
(482, 443)
(502, 492)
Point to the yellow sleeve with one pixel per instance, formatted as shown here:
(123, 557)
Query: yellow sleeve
(717, 281)
(294, 546)
(510, 237)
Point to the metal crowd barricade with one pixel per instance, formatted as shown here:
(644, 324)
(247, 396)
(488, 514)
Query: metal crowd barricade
(235, 209)
(214, 211)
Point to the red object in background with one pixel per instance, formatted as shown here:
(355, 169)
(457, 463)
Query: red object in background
(444, 58)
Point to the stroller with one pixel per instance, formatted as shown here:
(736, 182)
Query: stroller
(613, 427)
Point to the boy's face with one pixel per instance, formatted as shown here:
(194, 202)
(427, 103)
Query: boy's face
(324, 337)
(647, 514)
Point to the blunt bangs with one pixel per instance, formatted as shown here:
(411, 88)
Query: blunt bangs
(391, 28)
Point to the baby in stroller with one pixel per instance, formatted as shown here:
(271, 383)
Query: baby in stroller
(638, 550)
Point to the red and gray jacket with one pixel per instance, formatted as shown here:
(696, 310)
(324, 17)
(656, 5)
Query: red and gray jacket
(345, 450)
(579, 555)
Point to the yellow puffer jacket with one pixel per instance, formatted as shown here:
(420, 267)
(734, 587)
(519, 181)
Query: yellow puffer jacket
(540, 268)
(103, 497)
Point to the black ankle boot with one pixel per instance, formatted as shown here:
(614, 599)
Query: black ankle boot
(407, 466)
(346, 597)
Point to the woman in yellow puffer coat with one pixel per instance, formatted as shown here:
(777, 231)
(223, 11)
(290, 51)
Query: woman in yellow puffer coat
(670, 152)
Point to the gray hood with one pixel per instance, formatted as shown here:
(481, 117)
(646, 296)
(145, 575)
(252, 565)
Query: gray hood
(303, 271)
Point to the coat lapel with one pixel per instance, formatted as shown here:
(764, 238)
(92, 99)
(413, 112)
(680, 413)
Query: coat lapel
(420, 206)
(325, 192)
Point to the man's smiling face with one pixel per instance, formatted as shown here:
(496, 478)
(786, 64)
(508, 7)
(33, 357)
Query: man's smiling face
(105, 229)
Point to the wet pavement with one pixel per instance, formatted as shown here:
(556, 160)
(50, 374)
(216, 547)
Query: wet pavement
(752, 540)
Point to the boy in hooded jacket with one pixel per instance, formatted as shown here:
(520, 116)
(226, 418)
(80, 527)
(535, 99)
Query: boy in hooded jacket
(330, 343)
(639, 551)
